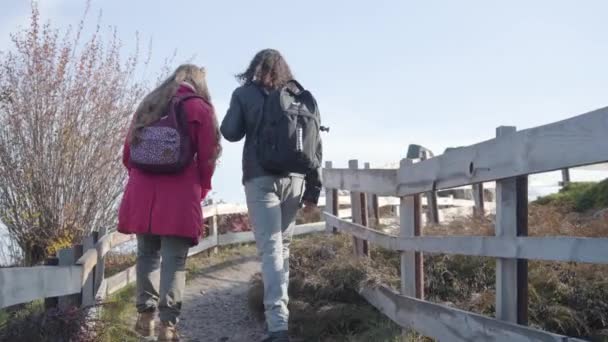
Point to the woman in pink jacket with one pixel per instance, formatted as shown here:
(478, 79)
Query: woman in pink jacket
(164, 209)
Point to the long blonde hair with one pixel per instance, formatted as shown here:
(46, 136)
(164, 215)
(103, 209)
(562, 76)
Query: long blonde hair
(154, 105)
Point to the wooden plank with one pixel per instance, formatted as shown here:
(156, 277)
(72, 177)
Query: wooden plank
(245, 237)
(382, 182)
(511, 221)
(573, 142)
(88, 262)
(25, 284)
(104, 245)
(203, 245)
(449, 324)
(571, 249)
(224, 209)
(235, 238)
(120, 280)
(102, 291)
(309, 228)
(120, 238)
(358, 215)
(384, 201)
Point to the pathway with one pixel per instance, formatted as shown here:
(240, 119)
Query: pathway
(215, 304)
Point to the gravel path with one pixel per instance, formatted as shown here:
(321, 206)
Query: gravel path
(215, 304)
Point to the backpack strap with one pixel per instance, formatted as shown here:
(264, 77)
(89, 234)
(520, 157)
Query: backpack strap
(181, 117)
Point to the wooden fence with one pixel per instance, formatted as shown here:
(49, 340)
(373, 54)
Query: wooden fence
(77, 278)
(508, 159)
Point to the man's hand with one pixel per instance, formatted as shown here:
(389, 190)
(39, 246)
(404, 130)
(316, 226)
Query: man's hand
(309, 207)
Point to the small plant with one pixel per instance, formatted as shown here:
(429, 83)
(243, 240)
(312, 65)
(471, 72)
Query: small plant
(32, 323)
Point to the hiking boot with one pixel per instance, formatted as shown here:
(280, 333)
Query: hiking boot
(145, 324)
(167, 333)
(277, 336)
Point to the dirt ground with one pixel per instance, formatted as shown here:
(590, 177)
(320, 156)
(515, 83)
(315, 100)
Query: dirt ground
(215, 304)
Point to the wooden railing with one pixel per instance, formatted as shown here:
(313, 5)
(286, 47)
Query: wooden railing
(508, 159)
(77, 276)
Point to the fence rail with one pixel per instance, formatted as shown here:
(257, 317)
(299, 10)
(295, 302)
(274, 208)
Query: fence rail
(508, 160)
(83, 282)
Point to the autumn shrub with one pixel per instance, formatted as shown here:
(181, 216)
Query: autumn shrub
(65, 102)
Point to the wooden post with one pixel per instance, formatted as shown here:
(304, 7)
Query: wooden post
(88, 287)
(358, 214)
(432, 211)
(373, 212)
(68, 257)
(511, 220)
(331, 201)
(214, 231)
(412, 268)
(51, 302)
(479, 209)
(565, 177)
(101, 262)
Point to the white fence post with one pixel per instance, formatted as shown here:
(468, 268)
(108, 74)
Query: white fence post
(373, 212)
(358, 214)
(511, 220)
(565, 177)
(332, 204)
(478, 209)
(88, 287)
(214, 231)
(412, 271)
(101, 260)
(68, 257)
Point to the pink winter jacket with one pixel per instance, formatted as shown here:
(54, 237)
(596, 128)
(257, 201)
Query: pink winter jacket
(170, 205)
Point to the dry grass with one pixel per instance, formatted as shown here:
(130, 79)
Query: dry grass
(118, 262)
(543, 220)
(324, 289)
(565, 298)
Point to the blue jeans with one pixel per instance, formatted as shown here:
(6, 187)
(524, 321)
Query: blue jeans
(273, 203)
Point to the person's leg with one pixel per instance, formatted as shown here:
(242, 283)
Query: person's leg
(264, 208)
(174, 251)
(148, 261)
(291, 195)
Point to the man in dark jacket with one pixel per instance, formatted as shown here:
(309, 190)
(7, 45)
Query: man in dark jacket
(272, 199)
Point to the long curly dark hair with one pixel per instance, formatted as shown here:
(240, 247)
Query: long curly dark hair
(268, 68)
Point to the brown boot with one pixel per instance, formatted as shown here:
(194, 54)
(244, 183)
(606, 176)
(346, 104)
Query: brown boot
(145, 324)
(168, 333)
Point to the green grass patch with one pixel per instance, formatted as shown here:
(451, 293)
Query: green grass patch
(580, 197)
(118, 317)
